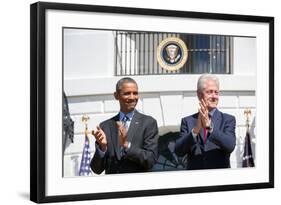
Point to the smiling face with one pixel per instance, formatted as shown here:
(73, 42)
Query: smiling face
(210, 94)
(128, 96)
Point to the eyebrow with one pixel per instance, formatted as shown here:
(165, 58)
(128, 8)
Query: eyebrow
(136, 92)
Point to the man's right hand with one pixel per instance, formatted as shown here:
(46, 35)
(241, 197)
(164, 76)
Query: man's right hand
(205, 119)
(100, 138)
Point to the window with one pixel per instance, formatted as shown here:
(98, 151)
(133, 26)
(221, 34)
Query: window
(136, 53)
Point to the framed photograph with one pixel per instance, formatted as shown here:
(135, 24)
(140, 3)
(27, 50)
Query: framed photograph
(80, 52)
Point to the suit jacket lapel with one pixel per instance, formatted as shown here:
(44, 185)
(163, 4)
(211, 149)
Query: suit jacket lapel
(115, 137)
(216, 118)
(201, 133)
(133, 126)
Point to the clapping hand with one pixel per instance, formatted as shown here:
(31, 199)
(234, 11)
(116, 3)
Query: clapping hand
(204, 114)
(122, 134)
(100, 138)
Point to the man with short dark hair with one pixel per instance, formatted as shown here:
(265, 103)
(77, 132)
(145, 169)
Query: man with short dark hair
(207, 137)
(126, 143)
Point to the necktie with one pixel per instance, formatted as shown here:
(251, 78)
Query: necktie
(205, 135)
(125, 121)
(206, 132)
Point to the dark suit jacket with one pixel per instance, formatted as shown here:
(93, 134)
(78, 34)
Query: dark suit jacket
(140, 157)
(215, 153)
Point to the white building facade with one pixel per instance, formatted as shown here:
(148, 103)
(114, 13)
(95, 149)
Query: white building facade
(90, 79)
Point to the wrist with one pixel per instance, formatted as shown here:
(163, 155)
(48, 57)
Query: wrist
(208, 124)
(126, 145)
(196, 130)
(103, 147)
(210, 127)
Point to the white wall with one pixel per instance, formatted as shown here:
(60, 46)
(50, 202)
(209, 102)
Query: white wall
(244, 55)
(14, 109)
(88, 53)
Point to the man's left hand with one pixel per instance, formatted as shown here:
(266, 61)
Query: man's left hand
(206, 121)
(122, 134)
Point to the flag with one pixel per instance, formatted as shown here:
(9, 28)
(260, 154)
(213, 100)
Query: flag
(68, 124)
(85, 169)
(248, 160)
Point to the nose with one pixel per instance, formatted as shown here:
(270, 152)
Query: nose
(132, 96)
(213, 95)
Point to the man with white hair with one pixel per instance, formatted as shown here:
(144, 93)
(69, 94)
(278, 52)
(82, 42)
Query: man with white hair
(207, 137)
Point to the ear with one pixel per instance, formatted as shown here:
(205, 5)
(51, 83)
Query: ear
(116, 96)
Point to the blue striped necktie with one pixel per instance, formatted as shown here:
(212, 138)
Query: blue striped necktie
(125, 121)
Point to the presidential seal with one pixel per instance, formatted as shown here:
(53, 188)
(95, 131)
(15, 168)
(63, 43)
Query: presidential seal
(172, 53)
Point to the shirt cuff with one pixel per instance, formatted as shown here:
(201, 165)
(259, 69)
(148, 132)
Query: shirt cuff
(127, 148)
(211, 128)
(193, 134)
(100, 152)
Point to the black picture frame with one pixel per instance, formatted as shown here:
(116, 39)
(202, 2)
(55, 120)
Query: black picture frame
(38, 100)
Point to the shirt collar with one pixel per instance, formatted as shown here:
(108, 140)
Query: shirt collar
(211, 113)
(129, 115)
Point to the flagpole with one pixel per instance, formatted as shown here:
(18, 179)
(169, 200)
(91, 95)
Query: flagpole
(247, 160)
(85, 169)
(85, 119)
(247, 112)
